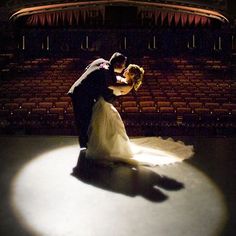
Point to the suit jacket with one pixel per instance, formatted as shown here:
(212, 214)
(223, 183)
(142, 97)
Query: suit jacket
(94, 82)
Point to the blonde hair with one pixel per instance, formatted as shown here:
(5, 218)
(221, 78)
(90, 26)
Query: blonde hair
(138, 73)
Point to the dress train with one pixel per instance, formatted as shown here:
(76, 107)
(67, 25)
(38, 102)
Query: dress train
(108, 141)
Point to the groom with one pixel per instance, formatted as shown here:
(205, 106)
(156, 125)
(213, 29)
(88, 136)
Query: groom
(92, 84)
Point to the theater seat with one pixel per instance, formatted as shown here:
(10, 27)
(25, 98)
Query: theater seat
(183, 110)
(39, 111)
(19, 100)
(46, 105)
(64, 99)
(11, 106)
(179, 104)
(144, 98)
(194, 105)
(59, 111)
(201, 110)
(212, 105)
(163, 104)
(130, 109)
(28, 105)
(150, 109)
(166, 110)
(50, 99)
(62, 104)
(147, 104)
(35, 100)
(229, 106)
(191, 99)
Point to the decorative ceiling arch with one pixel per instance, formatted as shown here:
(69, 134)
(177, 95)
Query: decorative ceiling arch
(71, 11)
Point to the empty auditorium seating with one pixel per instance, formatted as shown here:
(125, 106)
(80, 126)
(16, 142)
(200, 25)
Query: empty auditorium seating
(176, 92)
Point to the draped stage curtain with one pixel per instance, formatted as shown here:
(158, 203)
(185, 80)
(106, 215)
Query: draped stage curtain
(93, 15)
(159, 17)
(67, 17)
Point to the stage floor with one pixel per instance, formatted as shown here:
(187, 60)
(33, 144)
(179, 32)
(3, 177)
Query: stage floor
(40, 196)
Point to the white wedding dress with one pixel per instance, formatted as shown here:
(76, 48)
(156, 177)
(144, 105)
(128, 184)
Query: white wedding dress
(108, 141)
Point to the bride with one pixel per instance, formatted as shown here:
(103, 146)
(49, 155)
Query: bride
(108, 140)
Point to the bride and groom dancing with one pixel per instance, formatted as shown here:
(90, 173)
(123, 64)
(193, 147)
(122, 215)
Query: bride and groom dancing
(102, 134)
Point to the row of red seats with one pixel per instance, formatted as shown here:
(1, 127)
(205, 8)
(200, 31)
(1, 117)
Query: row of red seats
(144, 106)
(142, 103)
(185, 95)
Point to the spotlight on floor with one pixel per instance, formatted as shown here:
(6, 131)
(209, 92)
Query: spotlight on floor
(48, 200)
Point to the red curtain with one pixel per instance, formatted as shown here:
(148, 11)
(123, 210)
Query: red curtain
(190, 19)
(204, 21)
(156, 15)
(71, 17)
(177, 17)
(197, 20)
(164, 15)
(184, 19)
(170, 18)
(173, 17)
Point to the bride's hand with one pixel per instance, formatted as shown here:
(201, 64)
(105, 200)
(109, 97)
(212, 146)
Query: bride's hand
(121, 80)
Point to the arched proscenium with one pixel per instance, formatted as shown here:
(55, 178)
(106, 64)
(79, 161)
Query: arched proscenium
(197, 10)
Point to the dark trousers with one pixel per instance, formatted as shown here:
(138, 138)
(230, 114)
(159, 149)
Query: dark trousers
(82, 107)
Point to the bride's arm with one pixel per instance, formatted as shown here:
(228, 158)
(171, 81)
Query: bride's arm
(121, 89)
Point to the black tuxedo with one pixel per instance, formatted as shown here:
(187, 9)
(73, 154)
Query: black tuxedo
(84, 93)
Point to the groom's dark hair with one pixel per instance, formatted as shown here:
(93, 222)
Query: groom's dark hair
(117, 59)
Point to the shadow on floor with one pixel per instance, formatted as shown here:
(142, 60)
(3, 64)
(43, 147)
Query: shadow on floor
(125, 179)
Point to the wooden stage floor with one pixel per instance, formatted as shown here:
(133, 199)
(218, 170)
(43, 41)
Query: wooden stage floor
(40, 196)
